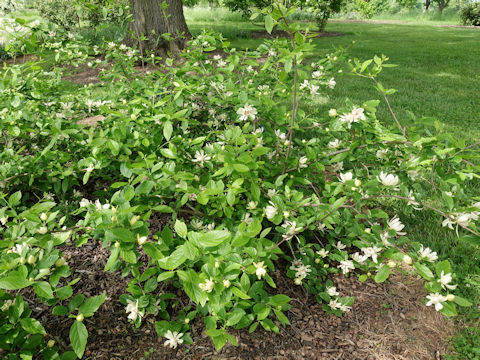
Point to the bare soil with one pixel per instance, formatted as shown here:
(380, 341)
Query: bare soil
(387, 321)
(260, 34)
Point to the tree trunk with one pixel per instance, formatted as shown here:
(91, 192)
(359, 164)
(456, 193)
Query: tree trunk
(154, 18)
(427, 5)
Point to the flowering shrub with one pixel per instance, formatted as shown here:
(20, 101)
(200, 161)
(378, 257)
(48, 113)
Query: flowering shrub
(217, 142)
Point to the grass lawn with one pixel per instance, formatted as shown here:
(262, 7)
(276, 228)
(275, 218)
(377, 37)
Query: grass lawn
(438, 75)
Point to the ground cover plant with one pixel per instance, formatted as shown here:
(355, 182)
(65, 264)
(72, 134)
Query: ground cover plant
(218, 142)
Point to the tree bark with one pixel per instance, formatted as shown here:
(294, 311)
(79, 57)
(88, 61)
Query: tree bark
(152, 19)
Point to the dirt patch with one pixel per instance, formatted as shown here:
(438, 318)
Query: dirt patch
(387, 321)
(92, 120)
(260, 34)
(20, 59)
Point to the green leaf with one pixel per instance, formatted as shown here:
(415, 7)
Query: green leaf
(91, 305)
(241, 168)
(281, 317)
(262, 311)
(235, 317)
(279, 300)
(78, 338)
(60, 310)
(32, 326)
(168, 153)
(461, 301)
(181, 229)
(213, 238)
(239, 293)
(424, 271)
(167, 130)
(14, 199)
(112, 259)
(173, 261)
(43, 289)
(269, 23)
(14, 281)
(382, 274)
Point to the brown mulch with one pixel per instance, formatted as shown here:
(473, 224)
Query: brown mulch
(260, 34)
(20, 59)
(387, 321)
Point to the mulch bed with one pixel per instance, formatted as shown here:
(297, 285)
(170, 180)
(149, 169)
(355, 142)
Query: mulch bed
(387, 321)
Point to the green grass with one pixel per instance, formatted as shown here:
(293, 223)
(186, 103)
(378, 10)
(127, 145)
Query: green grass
(438, 72)
(438, 75)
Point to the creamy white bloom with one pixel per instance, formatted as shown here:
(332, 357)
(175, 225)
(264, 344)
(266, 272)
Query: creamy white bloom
(173, 339)
(19, 248)
(427, 253)
(345, 308)
(132, 310)
(382, 153)
(201, 157)
(340, 245)
(43, 216)
(346, 266)
(345, 177)
(302, 271)
(90, 168)
(6, 305)
(334, 144)
(358, 114)
(437, 300)
(302, 162)
(359, 258)
(292, 229)
(3, 220)
(338, 166)
(305, 85)
(388, 179)
(271, 193)
(396, 224)
(323, 253)
(260, 269)
(271, 210)
(42, 230)
(247, 112)
(207, 286)
(372, 252)
(332, 112)
(445, 280)
(334, 304)
(314, 89)
(317, 74)
(332, 291)
(252, 205)
(331, 83)
(196, 224)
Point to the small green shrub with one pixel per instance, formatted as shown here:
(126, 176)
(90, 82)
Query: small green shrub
(470, 14)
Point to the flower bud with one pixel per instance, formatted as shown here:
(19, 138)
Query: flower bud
(51, 343)
(358, 182)
(134, 219)
(298, 281)
(407, 259)
(391, 264)
(80, 317)
(217, 264)
(332, 112)
(133, 117)
(43, 217)
(60, 262)
(187, 320)
(117, 244)
(22, 260)
(450, 297)
(368, 230)
(141, 240)
(317, 261)
(31, 260)
(226, 283)
(42, 230)
(31, 279)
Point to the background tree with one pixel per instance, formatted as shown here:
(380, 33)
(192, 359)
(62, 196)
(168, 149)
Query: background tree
(322, 9)
(158, 26)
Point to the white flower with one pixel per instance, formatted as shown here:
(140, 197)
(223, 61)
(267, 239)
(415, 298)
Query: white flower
(346, 177)
(331, 83)
(260, 269)
(252, 205)
(271, 210)
(174, 339)
(303, 271)
(382, 153)
(396, 224)
(207, 286)
(132, 310)
(323, 253)
(19, 248)
(302, 162)
(388, 179)
(359, 258)
(345, 308)
(317, 74)
(271, 193)
(43, 217)
(358, 114)
(3, 220)
(445, 280)
(280, 135)
(226, 283)
(334, 144)
(428, 254)
(372, 252)
(272, 52)
(42, 230)
(332, 112)
(437, 300)
(292, 229)
(314, 89)
(201, 157)
(247, 112)
(305, 85)
(338, 166)
(332, 291)
(346, 266)
(247, 219)
(196, 224)
(334, 304)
